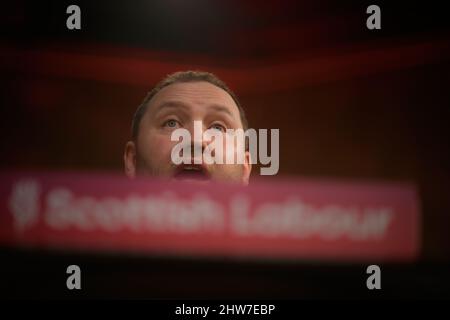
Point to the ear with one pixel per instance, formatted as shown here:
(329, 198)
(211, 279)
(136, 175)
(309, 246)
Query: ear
(129, 159)
(247, 169)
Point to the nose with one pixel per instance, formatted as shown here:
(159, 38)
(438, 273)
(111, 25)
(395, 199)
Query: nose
(198, 144)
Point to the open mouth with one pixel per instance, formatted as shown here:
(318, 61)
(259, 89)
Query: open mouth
(191, 172)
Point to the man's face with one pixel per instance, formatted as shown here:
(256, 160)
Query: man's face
(178, 106)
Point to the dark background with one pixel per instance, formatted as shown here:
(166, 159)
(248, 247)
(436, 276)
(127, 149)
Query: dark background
(350, 103)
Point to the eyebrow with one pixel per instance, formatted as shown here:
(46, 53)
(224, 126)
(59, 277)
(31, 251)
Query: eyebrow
(182, 105)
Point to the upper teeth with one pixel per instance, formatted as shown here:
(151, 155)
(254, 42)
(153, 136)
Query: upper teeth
(190, 168)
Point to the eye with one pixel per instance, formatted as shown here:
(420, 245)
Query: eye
(218, 126)
(171, 123)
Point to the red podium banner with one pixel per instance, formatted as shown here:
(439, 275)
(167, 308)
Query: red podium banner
(280, 219)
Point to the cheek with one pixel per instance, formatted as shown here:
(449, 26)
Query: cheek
(233, 148)
(156, 147)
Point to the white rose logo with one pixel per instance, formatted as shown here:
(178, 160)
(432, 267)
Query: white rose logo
(24, 203)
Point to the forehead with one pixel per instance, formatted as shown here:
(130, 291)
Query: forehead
(198, 95)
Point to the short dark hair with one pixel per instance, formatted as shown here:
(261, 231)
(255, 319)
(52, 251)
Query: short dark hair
(179, 77)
